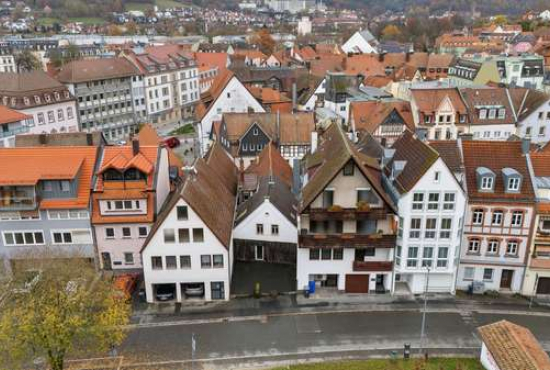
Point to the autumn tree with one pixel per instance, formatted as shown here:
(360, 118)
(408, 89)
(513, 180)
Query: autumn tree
(391, 32)
(26, 61)
(64, 309)
(264, 40)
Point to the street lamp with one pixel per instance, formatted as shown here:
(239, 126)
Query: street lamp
(423, 328)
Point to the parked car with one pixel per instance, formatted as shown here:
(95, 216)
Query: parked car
(125, 284)
(164, 293)
(194, 290)
(172, 142)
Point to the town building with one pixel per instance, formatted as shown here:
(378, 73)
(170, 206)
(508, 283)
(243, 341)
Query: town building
(347, 220)
(50, 103)
(103, 88)
(361, 42)
(189, 251)
(431, 204)
(130, 188)
(533, 115)
(7, 62)
(499, 216)
(13, 123)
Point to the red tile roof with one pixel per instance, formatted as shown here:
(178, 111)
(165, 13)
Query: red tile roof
(429, 100)
(8, 115)
(271, 163)
(369, 115)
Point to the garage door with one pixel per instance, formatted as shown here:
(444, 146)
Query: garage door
(543, 286)
(357, 283)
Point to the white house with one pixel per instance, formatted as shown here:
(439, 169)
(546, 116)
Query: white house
(189, 251)
(534, 117)
(361, 42)
(227, 95)
(308, 102)
(545, 15)
(7, 63)
(431, 206)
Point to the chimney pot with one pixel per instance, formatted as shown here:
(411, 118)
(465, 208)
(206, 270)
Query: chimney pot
(135, 147)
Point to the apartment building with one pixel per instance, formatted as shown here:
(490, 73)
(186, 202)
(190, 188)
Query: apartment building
(7, 62)
(103, 88)
(499, 215)
(347, 221)
(45, 197)
(533, 120)
(13, 123)
(431, 205)
(50, 103)
(130, 188)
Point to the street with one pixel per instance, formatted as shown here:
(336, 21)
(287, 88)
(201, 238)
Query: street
(255, 341)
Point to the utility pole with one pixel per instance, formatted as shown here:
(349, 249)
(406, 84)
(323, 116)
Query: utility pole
(423, 328)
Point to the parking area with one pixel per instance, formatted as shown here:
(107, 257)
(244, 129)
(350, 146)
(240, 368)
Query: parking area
(271, 276)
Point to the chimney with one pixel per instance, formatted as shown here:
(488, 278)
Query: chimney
(381, 56)
(135, 147)
(89, 139)
(525, 145)
(314, 141)
(294, 97)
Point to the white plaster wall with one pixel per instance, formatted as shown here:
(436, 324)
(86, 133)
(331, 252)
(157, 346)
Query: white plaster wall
(496, 132)
(163, 179)
(67, 125)
(119, 245)
(357, 43)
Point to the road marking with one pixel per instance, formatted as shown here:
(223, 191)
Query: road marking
(220, 320)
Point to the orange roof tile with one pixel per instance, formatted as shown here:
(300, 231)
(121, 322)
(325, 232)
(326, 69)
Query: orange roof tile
(211, 60)
(271, 163)
(8, 115)
(268, 95)
(369, 115)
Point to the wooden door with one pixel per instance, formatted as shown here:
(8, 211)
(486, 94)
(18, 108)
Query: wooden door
(357, 283)
(543, 285)
(506, 279)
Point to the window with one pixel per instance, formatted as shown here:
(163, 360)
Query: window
(218, 260)
(487, 183)
(497, 218)
(171, 263)
(349, 168)
(473, 246)
(142, 231)
(274, 229)
(433, 201)
(416, 225)
(198, 235)
(40, 117)
(314, 254)
(109, 233)
(60, 115)
(512, 248)
(431, 225)
(542, 131)
(255, 131)
(185, 262)
(398, 256)
(400, 227)
(182, 213)
(328, 198)
(482, 113)
(326, 254)
(501, 113)
(442, 256)
(418, 201)
(126, 232)
(183, 235)
(513, 184)
(338, 253)
(528, 131)
(69, 113)
(469, 273)
(412, 256)
(128, 258)
(492, 246)
(206, 261)
(427, 255)
(62, 237)
(517, 218)
(259, 252)
(487, 274)
(65, 186)
(437, 174)
(492, 113)
(119, 204)
(259, 229)
(169, 236)
(51, 117)
(156, 262)
(477, 217)
(449, 201)
(445, 228)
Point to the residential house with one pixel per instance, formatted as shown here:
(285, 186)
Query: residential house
(384, 120)
(523, 71)
(189, 251)
(347, 220)
(103, 88)
(533, 114)
(246, 135)
(458, 44)
(467, 72)
(44, 212)
(7, 62)
(266, 224)
(537, 276)
(13, 123)
(431, 205)
(272, 100)
(49, 102)
(439, 111)
(499, 215)
(313, 96)
(227, 94)
(361, 42)
(130, 188)
(504, 32)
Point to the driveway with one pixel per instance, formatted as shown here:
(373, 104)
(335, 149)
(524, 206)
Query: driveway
(271, 276)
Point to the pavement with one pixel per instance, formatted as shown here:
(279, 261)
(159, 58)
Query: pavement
(272, 277)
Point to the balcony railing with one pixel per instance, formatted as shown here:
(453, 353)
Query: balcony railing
(17, 203)
(372, 265)
(347, 240)
(321, 214)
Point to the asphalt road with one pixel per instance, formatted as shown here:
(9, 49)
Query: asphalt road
(273, 339)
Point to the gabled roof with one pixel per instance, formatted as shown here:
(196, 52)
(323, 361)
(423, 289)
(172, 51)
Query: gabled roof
(429, 100)
(532, 100)
(369, 115)
(275, 191)
(418, 157)
(223, 165)
(450, 153)
(488, 96)
(514, 347)
(211, 60)
(271, 163)
(496, 155)
(8, 115)
(334, 153)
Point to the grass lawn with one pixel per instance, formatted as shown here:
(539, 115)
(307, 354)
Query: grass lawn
(433, 364)
(87, 20)
(162, 4)
(138, 6)
(183, 130)
(48, 21)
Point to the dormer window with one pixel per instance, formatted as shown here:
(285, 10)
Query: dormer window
(492, 113)
(26, 101)
(48, 98)
(501, 113)
(37, 99)
(56, 94)
(513, 184)
(67, 95)
(134, 174)
(512, 179)
(482, 113)
(487, 183)
(112, 175)
(485, 179)
(427, 119)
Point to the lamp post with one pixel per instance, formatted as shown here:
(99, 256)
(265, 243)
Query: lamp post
(423, 328)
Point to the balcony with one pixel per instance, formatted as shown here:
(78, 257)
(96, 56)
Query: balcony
(17, 199)
(372, 265)
(321, 214)
(347, 240)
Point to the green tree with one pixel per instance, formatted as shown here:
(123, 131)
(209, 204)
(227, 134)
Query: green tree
(67, 309)
(26, 61)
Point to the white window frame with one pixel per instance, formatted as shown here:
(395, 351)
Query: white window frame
(4, 233)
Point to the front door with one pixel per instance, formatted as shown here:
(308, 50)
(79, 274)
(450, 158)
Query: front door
(106, 258)
(506, 279)
(543, 285)
(357, 283)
